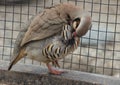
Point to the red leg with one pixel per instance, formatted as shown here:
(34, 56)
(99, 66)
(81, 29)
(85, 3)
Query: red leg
(54, 71)
(55, 63)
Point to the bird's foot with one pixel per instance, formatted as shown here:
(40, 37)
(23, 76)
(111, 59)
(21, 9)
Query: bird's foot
(54, 71)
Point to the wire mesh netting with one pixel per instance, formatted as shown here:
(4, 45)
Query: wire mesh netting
(99, 49)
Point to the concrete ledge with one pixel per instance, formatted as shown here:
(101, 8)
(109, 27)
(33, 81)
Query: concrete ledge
(38, 75)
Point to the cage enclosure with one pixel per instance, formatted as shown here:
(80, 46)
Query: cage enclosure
(98, 51)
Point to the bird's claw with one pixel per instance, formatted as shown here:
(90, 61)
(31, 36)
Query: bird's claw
(56, 72)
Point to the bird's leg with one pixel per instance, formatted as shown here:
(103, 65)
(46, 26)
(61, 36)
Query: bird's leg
(53, 71)
(55, 63)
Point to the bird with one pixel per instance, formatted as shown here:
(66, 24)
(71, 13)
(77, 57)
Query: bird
(51, 35)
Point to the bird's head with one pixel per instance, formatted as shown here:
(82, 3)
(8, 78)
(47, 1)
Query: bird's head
(79, 18)
(81, 25)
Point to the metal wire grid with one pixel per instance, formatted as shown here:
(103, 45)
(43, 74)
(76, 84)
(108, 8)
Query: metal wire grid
(99, 50)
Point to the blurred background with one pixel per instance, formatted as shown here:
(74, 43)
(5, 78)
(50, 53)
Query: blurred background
(99, 49)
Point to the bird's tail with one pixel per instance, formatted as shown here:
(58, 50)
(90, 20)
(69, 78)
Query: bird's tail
(17, 58)
(18, 51)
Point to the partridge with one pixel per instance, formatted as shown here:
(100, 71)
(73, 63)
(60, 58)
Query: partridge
(51, 35)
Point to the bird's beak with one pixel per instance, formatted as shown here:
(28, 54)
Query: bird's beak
(83, 26)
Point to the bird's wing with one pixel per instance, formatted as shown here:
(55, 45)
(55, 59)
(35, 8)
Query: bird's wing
(43, 25)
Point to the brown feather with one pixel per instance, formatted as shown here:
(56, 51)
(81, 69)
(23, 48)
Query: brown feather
(50, 22)
(20, 55)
